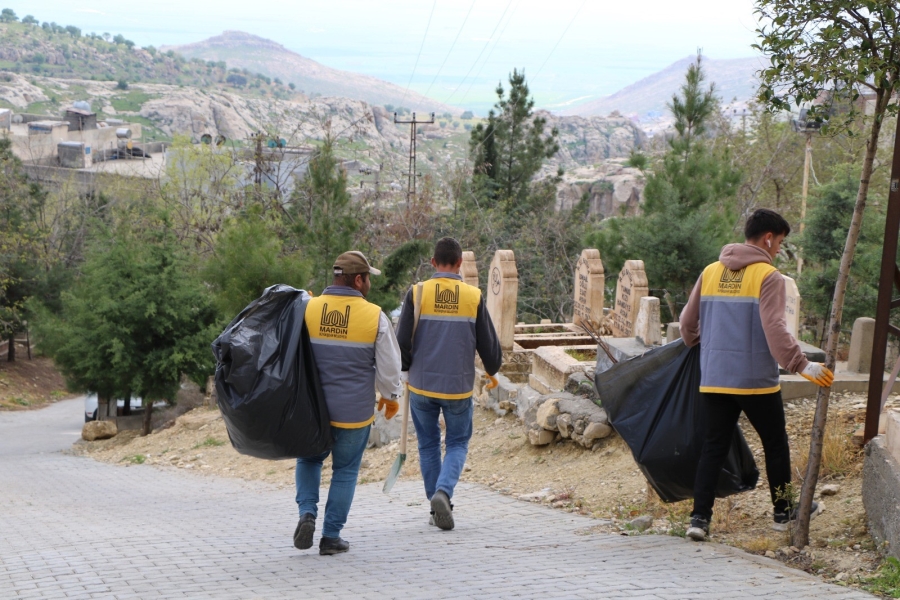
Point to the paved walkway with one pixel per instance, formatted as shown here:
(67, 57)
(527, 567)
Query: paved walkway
(71, 527)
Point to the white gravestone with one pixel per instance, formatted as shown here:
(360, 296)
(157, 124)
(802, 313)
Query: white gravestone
(502, 294)
(589, 282)
(647, 327)
(469, 269)
(630, 288)
(792, 306)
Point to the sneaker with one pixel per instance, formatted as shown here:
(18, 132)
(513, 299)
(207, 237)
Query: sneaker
(699, 529)
(303, 535)
(442, 510)
(783, 520)
(328, 545)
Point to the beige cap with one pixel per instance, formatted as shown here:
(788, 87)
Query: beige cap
(352, 263)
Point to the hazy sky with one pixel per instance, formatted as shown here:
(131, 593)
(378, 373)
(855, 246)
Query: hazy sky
(570, 49)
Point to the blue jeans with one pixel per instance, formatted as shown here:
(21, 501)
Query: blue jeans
(346, 455)
(425, 411)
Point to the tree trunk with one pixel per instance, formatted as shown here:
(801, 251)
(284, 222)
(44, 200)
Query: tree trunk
(800, 533)
(11, 345)
(148, 413)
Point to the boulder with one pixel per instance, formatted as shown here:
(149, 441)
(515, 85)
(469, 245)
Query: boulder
(579, 384)
(595, 431)
(540, 437)
(99, 430)
(547, 414)
(641, 523)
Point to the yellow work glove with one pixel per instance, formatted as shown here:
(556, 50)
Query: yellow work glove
(818, 373)
(390, 408)
(492, 382)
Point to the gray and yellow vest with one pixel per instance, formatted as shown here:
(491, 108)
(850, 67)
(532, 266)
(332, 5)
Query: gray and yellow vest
(734, 353)
(443, 364)
(343, 327)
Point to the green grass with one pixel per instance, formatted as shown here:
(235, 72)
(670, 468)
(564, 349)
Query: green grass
(887, 581)
(582, 355)
(137, 459)
(21, 401)
(209, 442)
(132, 101)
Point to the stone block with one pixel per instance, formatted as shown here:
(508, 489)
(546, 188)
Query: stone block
(673, 331)
(892, 434)
(621, 349)
(646, 326)
(547, 413)
(540, 437)
(553, 366)
(881, 495)
(564, 425)
(98, 430)
(861, 341)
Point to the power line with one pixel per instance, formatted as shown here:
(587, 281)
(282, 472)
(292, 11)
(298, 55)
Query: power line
(565, 31)
(450, 51)
(483, 48)
(488, 57)
(416, 65)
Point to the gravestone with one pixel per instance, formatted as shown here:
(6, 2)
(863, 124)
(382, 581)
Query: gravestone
(502, 293)
(589, 282)
(792, 306)
(630, 288)
(469, 268)
(646, 326)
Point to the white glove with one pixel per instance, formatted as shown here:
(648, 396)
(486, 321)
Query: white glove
(818, 374)
(404, 377)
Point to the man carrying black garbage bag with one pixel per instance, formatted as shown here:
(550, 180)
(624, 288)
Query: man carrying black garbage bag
(736, 313)
(355, 351)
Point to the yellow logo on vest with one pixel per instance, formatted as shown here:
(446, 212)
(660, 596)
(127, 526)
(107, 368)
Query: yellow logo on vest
(334, 324)
(730, 281)
(446, 301)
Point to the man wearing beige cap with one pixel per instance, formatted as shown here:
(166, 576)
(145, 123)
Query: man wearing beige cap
(356, 352)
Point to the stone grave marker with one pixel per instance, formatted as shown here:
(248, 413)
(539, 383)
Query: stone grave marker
(469, 269)
(589, 282)
(647, 325)
(502, 293)
(792, 306)
(630, 288)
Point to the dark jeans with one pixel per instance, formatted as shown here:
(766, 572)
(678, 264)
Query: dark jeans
(766, 414)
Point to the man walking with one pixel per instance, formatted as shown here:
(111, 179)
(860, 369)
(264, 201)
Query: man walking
(438, 355)
(355, 351)
(736, 312)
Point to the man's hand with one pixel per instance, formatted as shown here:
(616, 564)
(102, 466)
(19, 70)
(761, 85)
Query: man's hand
(492, 382)
(390, 408)
(404, 378)
(818, 374)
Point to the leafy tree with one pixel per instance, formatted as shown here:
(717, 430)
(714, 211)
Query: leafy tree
(685, 218)
(8, 15)
(842, 49)
(135, 322)
(248, 258)
(397, 271)
(325, 219)
(510, 149)
(29, 20)
(467, 114)
(122, 85)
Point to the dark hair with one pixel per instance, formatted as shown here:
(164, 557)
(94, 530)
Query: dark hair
(764, 221)
(347, 279)
(447, 251)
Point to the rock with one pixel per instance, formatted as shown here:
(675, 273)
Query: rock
(536, 496)
(580, 424)
(830, 490)
(99, 430)
(770, 554)
(582, 408)
(641, 523)
(564, 424)
(595, 431)
(579, 384)
(547, 413)
(540, 437)
(840, 576)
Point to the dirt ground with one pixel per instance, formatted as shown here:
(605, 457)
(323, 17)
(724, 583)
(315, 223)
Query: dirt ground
(604, 484)
(28, 384)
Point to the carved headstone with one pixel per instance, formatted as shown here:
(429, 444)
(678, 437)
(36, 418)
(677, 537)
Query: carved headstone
(469, 269)
(589, 281)
(792, 306)
(630, 288)
(502, 293)
(647, 327)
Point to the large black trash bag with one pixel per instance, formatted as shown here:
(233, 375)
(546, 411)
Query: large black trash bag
(267, 383)
(653, 402)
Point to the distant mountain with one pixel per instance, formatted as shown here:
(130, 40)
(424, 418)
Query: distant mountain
(734, 79)
(245, 51)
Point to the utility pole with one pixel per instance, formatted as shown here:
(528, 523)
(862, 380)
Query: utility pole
(411, 186)
(806, 162)
(376, 183)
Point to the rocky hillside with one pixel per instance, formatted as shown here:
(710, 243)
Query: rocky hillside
(734, 79)
(51, 50)
(256, 54)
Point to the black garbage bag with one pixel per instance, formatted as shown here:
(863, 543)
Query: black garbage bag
(653, 401)
(267, 383)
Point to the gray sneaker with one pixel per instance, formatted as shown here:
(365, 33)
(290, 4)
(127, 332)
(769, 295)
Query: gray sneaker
(699, 529)
(783, 520)
(442, 510)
